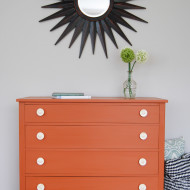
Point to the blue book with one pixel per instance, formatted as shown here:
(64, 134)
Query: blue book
(72, 97)
(67, 94)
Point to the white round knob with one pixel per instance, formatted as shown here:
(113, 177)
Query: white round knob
(143, 136)
(40, 136)
(142, 162)
(40, 161)
(143, 113)
(142, 187)
(40, 187)
(40, 112)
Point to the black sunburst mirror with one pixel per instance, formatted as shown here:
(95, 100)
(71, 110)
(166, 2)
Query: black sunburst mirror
(93, 17)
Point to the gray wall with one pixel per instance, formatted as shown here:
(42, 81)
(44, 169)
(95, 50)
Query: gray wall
(31, 65)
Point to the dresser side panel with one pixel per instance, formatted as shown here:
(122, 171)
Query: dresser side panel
(161, 146)
(22, 154)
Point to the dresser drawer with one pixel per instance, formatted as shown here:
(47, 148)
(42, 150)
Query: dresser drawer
(107, 136)
(103, 162)
(92, 113)
(92, 183)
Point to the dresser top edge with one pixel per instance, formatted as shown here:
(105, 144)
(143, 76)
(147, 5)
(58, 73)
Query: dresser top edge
(93, 100)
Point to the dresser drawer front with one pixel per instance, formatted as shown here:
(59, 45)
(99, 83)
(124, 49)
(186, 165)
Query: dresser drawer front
(120, 136)
(92, 113)
(90, 162)
(92, 183)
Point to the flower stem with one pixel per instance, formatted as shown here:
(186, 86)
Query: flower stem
(129, 81)
(133, 66)
(129, 67)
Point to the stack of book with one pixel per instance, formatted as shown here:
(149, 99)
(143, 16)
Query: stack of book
(62, 95)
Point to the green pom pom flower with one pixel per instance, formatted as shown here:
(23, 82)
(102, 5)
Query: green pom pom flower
(127, 55)
(141, 56)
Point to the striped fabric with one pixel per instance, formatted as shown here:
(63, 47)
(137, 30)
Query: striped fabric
(177, 173)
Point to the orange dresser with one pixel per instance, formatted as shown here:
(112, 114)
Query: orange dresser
(96, 144)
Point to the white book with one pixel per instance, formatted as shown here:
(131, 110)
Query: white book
(72, 97)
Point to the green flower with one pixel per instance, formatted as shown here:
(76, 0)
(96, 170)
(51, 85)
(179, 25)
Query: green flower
(141, 56)
(127, 55)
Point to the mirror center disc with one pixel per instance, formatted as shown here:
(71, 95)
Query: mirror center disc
(93, 8)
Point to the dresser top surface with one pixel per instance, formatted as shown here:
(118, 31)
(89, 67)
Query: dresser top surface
(94, 99)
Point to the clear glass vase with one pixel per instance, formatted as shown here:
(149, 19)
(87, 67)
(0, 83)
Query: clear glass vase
(129, 87)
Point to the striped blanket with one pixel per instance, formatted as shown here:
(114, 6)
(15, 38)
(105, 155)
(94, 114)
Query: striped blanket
(177, 173)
